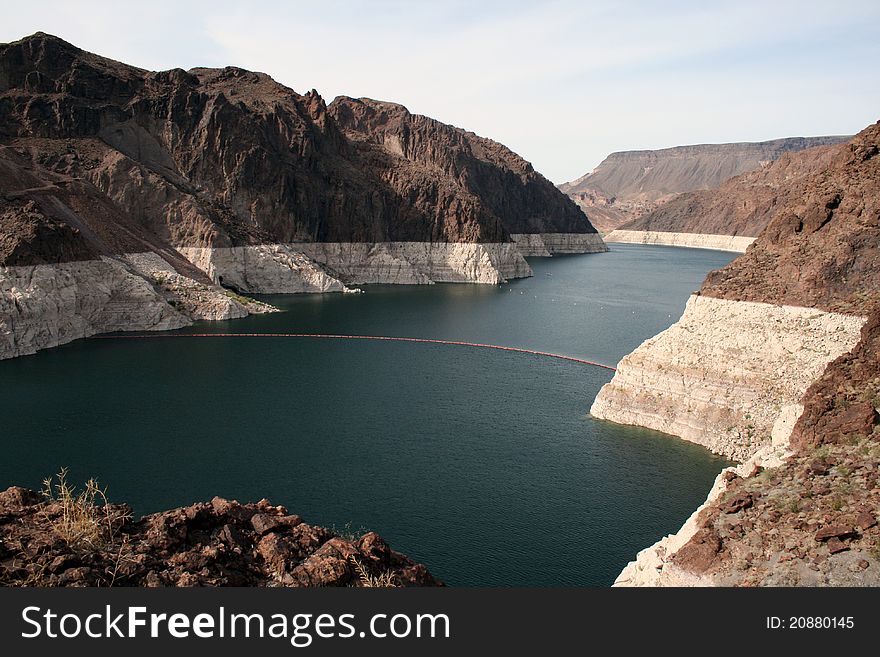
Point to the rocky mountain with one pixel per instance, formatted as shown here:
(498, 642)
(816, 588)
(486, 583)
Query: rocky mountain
(742, 205)
(228, 157)
(799, 316)
(821, 247)
(173, 185)
(403, 148)
(629, 184)
(219, 543)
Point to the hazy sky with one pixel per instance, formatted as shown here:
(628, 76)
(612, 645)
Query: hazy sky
(563, 83)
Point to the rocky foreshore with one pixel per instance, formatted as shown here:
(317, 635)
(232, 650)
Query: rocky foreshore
(47, 305)
(44, 542)
(735, 243)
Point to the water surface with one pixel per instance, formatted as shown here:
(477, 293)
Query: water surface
(482, 464)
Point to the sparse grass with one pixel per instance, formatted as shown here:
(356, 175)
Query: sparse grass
(386, 580)
(785, 503)
(243, 300)
(349, 532)
(87, 519)
(843, 487)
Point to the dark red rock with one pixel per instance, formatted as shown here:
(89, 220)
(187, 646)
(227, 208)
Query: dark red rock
(818, 467)
(231, 509)
(264, 523)
(865, 520)
(276, 551)
(835, 531)
(322, 571)
(289, 520)
(415, 575)
(374, 549)
(305, 539)
(699, 553)
(739, 502)
(835, 545)
(15, 498)
(63, 562)
(339, 548)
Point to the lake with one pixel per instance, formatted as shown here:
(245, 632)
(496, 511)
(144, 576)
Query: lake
(483, 464)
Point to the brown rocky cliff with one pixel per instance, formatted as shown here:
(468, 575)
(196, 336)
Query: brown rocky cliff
(507, 186)
(821, 247)
(813, 520)
(220, 157)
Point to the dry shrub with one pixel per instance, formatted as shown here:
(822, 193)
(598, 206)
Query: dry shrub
(386, 580)
(87, 519)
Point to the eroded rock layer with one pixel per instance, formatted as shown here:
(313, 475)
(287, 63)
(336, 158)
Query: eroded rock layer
(737, 244)
(726, 373)
(549, 244)
(48, 305)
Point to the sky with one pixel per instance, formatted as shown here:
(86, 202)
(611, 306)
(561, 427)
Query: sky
(563, 83)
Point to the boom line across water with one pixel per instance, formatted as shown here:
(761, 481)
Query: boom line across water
(335, 336)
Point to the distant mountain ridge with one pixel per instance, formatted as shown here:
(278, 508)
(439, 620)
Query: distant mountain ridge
(628, 184)
(742, 205)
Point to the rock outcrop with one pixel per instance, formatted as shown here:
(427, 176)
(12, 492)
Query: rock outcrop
(236, 181)
(729, 374)
(802, 508)
(219, 543)
(630, 184)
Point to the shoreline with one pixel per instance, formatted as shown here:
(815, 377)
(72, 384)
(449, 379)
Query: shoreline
(47, 305)
(733, 243)
(680, 382)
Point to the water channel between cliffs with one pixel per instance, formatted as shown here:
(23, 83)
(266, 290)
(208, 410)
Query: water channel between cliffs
(481, 463)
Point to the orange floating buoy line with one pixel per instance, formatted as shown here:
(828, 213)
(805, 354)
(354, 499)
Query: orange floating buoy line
(334, 336)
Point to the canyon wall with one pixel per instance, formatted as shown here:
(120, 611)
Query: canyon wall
(47, 305)
(775, 363)
(740, 206)
(726, 373)
(233, 180)
(737, 244)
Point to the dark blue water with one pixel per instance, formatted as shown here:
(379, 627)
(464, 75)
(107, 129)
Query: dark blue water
(481, 463)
